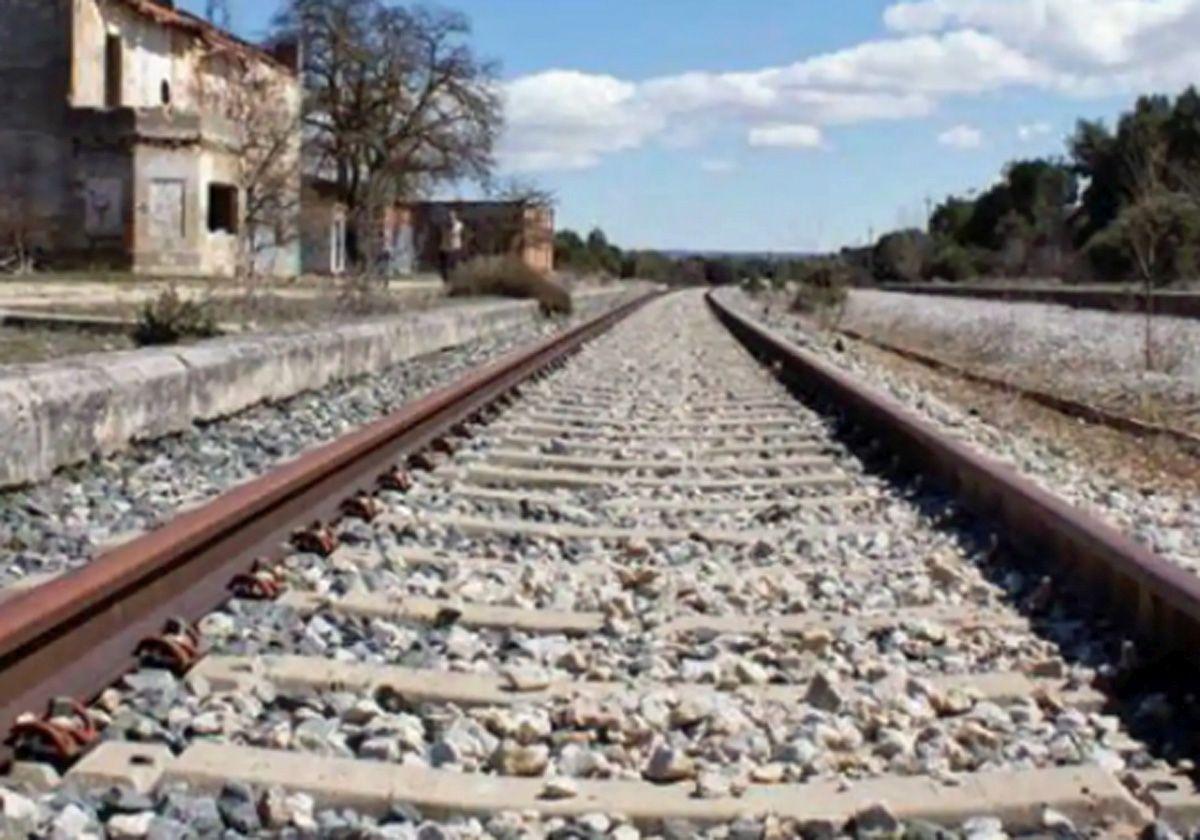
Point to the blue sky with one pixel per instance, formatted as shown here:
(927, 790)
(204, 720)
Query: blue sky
(799, 124)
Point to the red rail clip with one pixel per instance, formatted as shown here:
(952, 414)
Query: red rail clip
(362, 506)
(59, 737)
(259, 584)
(315, 539)
(396, 480)
(176, 649)
(420, 461)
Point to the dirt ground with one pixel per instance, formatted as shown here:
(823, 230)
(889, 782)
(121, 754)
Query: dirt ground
(21, 346)
(236, 307)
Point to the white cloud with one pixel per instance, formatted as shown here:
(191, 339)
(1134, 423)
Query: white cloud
(564, 119)
(785, 137)
(1090, 43)
(956, 62)
(716, 166)
(961, 137)
(1031, 131)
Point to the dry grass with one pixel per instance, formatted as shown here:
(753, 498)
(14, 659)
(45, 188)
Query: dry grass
(170, 318)
(21, 345)
(1092, 357)
(1152, 463)
(509, 277)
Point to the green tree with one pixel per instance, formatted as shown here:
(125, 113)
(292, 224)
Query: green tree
(950, 219)
(1157, 236)
(1093, 150)
(720, 272)
(605, 256)
(571, 252)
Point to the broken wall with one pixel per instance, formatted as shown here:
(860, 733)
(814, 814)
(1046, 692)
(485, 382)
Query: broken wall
(153, 56)
(124, 187)
(489, 227)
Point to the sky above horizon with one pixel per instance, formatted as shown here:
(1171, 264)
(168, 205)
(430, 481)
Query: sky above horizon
(799, 125)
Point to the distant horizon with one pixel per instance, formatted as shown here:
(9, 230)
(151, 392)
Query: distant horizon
(800, 127)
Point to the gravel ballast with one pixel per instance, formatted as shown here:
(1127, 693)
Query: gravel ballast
(1164, 518)
(874, 688)
(60, 523)
(1095, 357)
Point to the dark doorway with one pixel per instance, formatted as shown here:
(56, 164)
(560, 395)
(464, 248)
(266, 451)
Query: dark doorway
(222, 208)
(113, 67)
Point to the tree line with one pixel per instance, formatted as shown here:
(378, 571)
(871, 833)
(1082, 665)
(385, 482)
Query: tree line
(595, 254)
(1122, 204)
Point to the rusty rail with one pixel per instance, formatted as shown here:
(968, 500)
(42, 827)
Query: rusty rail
(76, 634)
(1158, 601)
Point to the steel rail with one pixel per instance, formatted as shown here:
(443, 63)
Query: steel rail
(77, 634)
(1157, 600)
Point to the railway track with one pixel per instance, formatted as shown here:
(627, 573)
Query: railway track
(648, 592)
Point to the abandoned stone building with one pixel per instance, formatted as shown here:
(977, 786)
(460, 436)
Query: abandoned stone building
(407, 236)
(123, 138)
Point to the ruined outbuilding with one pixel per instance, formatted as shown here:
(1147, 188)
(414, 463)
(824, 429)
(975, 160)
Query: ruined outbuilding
(124, 129)
(405, 238)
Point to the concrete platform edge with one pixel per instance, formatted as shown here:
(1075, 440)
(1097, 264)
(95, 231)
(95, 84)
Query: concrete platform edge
(59, 413)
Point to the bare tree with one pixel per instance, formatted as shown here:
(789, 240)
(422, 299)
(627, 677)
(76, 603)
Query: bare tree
(22, 228)
(217, 11)
(259, 100)
(395, 100)
(1143, 224)
(1154, 228)
(523, 191)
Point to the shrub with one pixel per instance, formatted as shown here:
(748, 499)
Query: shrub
(719, 272)
(824, 290)
(951, 262)
(170, 318)
(753, 286)
(1156, 239)
(1109, 258)
(900, 257)
(509, 277)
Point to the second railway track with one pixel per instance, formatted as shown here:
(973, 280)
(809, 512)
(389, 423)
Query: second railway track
(655, 594)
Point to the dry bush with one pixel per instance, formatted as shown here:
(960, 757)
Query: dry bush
(823, 292)
(170, 317)
(753, 286)
(509, 277)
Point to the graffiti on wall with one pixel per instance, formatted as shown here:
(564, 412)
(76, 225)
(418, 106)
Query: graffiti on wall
(102, 206)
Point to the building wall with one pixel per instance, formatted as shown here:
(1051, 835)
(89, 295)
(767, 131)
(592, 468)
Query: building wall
(490, 227)
(93, 183)
(320, 217)
(537, 242)
(153, 54)
(171, 206)
(35, 157)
